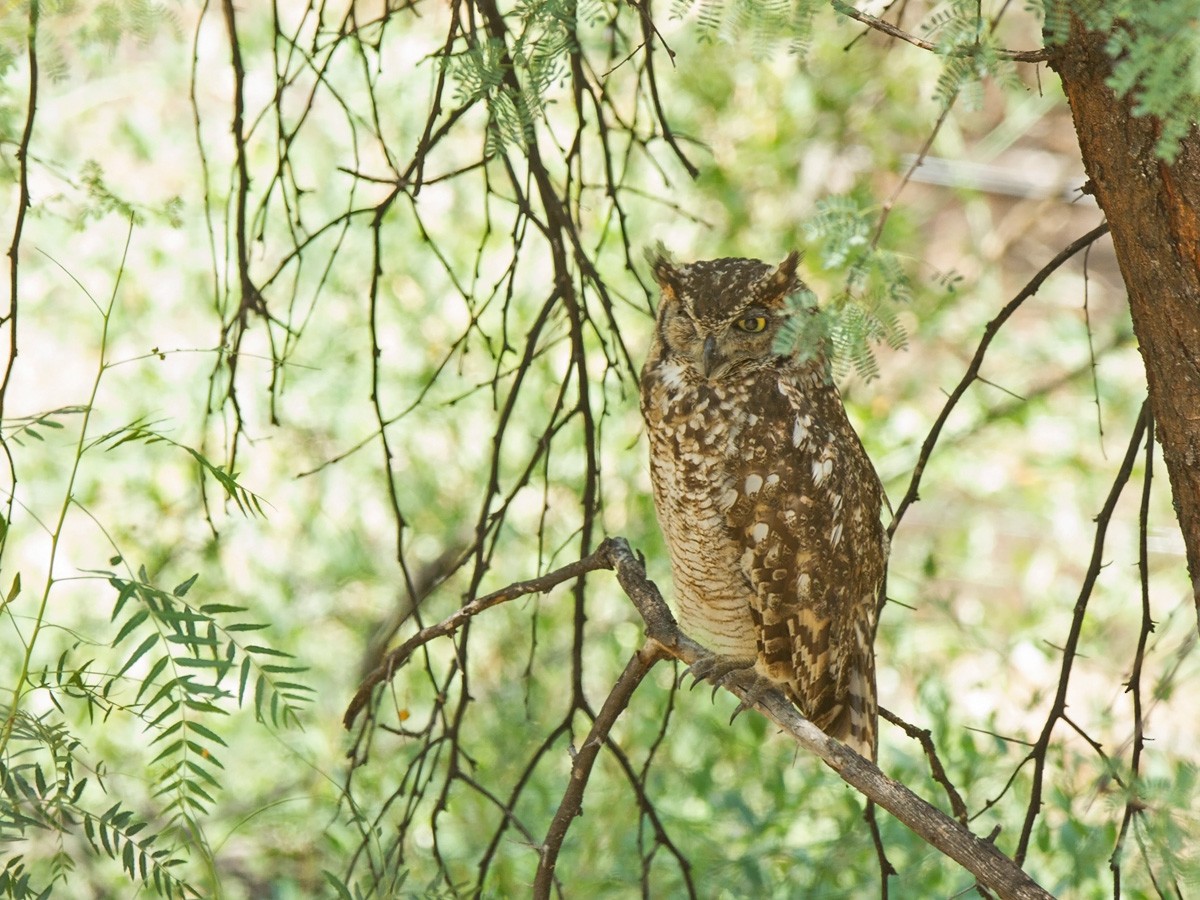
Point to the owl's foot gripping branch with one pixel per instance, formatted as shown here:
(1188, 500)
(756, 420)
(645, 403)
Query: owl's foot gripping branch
(665, 640)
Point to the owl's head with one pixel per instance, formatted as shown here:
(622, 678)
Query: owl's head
(721, 316)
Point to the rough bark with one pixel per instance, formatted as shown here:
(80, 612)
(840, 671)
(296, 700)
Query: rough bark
(1153, 210)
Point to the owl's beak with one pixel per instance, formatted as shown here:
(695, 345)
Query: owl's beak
(711, 358)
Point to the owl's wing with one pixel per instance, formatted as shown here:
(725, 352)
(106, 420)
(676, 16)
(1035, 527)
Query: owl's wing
(808, 514)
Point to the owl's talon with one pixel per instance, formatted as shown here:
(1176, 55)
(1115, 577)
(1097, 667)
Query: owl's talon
(718, 671)
(715, 668)
(756, 689)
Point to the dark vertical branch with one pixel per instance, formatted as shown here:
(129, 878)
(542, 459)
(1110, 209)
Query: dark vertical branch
(1134, 684)
(14, 248)
(886, 869)
(649, 35)
(581, 767)
(233, 330)
(376, 400)
(1071, 646)
(936, 769)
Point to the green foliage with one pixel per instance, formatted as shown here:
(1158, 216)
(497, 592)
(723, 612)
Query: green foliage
(970, 51)
(1156, 60)
(29, 427)
(247, 502)
(112, 21)
(1155, 48)
(102, 200)
(41, 791)
(513, 79)
(865, 312)
(175, 668)
(761, 25)
(1164, 822)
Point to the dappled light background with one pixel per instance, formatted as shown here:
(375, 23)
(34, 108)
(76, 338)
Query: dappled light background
(366, 315)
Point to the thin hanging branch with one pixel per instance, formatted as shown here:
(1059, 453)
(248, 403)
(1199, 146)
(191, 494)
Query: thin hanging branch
(1070, 647)
(14, 248)
(1134, 684)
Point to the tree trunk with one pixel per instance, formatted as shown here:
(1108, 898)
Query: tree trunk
(1153, 210)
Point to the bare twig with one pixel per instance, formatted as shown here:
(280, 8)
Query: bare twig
(1134, 684)
(936, 769)
(1025, 56)
(918, 160)
(397, 657)
(972, 373)
(581, 766)
(886, 869)
(1070, 648)
(10, 317)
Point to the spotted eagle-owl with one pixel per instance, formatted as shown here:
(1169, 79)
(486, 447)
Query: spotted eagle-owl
(766, 497)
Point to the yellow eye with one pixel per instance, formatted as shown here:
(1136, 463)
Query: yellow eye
(752, 324)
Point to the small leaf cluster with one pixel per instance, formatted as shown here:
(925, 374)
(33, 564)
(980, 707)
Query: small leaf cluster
(139, 431)
(30, 427)
(762, 23)
(865, 312)
(41, 791)
(1156, 61)
(970, 51)
(512, 79)
(1155, 49)
(183, 665)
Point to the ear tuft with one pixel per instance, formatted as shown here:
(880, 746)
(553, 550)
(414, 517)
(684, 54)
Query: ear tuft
(784, 279)
(664, 270)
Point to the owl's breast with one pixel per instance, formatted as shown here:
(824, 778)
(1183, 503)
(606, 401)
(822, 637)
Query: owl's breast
(694, 447)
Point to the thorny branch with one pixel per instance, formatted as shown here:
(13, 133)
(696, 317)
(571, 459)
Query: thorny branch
(664, 639)
(1025, 56)
(912, 494)
(1134, 685)
(1058, 708)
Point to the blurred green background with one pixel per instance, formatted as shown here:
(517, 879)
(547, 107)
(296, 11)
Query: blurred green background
(132, 145)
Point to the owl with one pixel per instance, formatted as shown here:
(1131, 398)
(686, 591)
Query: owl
(767, 499)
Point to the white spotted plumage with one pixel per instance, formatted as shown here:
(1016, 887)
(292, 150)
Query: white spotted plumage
(768, 502)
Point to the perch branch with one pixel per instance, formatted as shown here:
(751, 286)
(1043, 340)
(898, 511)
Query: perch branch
(981, 858)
